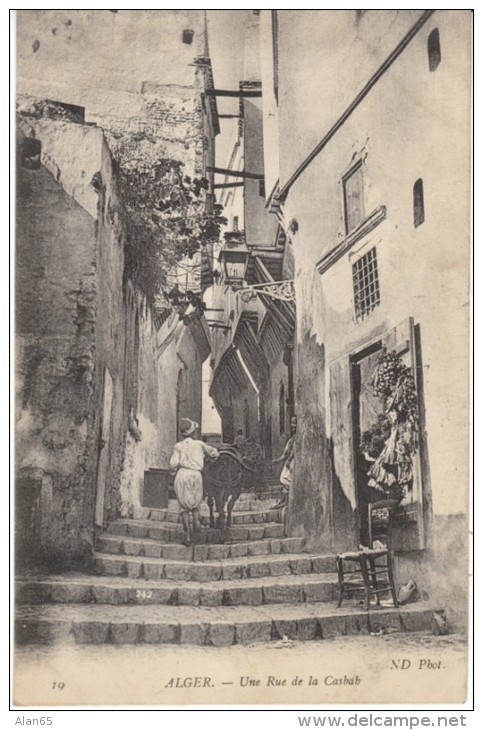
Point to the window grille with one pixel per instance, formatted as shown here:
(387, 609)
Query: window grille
(365, 279)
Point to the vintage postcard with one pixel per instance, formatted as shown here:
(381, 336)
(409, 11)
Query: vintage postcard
(242, 330)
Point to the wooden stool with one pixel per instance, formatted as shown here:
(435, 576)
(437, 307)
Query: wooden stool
(370, 576)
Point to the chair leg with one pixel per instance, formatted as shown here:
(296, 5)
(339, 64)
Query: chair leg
(391, 579)
(375, 584)
(340, 575)
(367, 585)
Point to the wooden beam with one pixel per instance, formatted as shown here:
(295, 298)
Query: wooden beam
(229, 185)
(236, 93)
(235, 173)
(229, 116)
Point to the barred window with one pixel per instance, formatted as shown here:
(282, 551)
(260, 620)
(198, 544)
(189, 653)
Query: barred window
(365, 279)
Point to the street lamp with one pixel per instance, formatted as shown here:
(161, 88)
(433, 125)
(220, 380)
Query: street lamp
(234, 261)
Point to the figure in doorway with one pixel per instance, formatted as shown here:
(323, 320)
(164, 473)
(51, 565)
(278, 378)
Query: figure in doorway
(239, 439)
(287, 457)
(187, 463)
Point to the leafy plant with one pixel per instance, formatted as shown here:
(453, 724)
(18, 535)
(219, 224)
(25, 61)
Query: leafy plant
(166, 222)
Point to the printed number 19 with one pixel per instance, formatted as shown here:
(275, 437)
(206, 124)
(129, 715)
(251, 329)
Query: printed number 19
(58, 685)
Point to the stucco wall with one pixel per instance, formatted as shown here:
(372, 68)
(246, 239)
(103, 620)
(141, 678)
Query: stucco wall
(342, 53)
(403, 143)
(66, 255)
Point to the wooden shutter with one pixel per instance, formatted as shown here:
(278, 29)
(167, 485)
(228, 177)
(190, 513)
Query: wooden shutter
(344, 503)
(408, 532)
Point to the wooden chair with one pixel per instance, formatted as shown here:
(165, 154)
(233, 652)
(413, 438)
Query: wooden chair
(371, 569)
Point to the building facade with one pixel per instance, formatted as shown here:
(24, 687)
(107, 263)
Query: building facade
(367, 165)
(252, 363)
(98, 360)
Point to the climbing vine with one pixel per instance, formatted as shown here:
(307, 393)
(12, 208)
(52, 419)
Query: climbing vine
(166, 223)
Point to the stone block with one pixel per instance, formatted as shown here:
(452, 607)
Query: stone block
(137, 530)
(104, 566)
(258, 518)
(221, 633)
(258, 570)
(153, 571)
(211, 596)
(31, 593)
(161, 633)
(308, 629)
(134, 570)
(239, 533)
(124, 633)
(258, 547)
(419, 620)
(239, 550)
(106, 545)
(177, 552)
(357, 624)
(140, 513)
(256, 532)
(143, 594)
(134, 548)
(218, 552)
(246, 596)
(317, 592)
(253, 632)
(69, 593)
(293, 545)
(117, 528)
(331, 626)
(157, 533)
(205, 572)
(283, 593)
(194, 634)
(279, 567)
(153, 550)
(301, 565)
(234, 571)
(324, 564)
(178, 571)
(189, 596)
(105, 594)
(200, 553)
(276, 531)
(275, 547)
(90, 632)
(384, 618)
(285, 627)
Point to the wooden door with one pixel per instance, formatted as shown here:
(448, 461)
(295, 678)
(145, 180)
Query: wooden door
(104, 439)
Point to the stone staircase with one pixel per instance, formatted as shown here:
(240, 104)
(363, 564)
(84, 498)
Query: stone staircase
(148, 587)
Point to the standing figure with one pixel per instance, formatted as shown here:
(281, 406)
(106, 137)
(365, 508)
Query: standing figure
(187, 463)
(287, 456)
(239, 439)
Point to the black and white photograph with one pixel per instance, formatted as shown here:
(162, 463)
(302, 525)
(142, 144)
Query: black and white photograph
(242, 327)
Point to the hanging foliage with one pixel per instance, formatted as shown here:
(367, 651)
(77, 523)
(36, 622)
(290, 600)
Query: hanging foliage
(393, 381)
(166, 223)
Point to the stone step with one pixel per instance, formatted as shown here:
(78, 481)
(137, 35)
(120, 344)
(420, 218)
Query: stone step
(145, 547)
(168, 532)
(219, 570)
(242, 517)
(208, 626)
(242, 592)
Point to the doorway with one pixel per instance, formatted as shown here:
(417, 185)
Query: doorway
(104, 448)
(367, 408)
